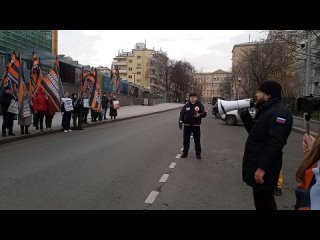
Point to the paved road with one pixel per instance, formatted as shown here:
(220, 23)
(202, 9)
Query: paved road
(118, 165)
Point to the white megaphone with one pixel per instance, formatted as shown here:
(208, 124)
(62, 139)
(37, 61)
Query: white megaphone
(226, 106)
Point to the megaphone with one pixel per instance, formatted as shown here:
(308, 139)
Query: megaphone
(226, 106)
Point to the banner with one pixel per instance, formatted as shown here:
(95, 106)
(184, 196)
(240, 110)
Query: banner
(35, 75)
(96, 96)
(67, 104)
(53, 86)
(12, 74)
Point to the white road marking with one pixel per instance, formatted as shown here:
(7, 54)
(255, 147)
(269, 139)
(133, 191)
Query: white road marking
(181, 150)
(172, 165)
(152, 196)
(164, 178)
(178, 155)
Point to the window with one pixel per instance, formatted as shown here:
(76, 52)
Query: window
(130, 61)
(138, 73)
(138, 57)
(130, 76)
(130, 68)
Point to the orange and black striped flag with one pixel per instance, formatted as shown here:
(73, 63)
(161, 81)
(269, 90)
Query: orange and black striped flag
(83, 82)
(12, 74)
(22, 88)
(53, 86)
(35, 75)
(96, 95)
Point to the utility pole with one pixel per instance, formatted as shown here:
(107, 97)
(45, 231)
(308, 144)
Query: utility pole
(308, 94)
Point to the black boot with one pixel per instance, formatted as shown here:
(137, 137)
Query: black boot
(26, 130)
(184, 155)
(22, 129)
(4, 134)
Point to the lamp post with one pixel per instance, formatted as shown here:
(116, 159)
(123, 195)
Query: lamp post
(238, 83)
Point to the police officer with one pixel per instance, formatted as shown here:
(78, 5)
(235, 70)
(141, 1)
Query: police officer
(268, 133)
(190, 115)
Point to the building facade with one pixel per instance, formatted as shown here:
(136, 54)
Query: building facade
(140, 66)
(213, 84)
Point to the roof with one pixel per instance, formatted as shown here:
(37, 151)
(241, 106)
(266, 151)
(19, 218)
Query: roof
(219, 71)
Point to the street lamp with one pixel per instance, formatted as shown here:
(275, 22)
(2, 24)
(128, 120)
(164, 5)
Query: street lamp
(238, 83)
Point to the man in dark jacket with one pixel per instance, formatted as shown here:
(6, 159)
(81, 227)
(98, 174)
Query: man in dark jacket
(7, 116)
(104, 102)
(268, 133)
(190, 116)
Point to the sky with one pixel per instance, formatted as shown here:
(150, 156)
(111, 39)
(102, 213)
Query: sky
(207, 50)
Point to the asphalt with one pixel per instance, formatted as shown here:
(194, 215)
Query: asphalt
(124, 113)
(133, 111)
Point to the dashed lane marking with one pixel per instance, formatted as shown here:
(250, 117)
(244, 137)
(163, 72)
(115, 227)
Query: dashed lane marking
(178, 155)
(152, 196)
(164, 178)
(181, 150)
(172, 165)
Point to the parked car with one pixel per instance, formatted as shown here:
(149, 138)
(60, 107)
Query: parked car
(215, 111)
(233, 118)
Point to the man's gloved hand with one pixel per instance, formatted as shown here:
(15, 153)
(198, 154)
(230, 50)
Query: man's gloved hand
(180, 125)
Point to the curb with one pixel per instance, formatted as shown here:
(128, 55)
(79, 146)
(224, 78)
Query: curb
(303, 131)
(22, 137)
(300, 118)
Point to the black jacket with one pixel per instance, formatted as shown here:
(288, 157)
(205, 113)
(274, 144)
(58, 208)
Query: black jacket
(189, 110)
(5, 102)
(268, 133)
(104, 101)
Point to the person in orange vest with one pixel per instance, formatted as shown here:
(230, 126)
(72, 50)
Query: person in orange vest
(307, 175)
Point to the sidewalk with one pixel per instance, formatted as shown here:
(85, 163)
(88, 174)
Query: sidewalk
(299, 126)
(126, 112)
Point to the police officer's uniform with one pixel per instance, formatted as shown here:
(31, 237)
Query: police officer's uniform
(191, 125)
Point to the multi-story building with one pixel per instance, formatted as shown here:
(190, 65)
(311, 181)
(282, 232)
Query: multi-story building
(44, 43)
(38, 41)
(238, 53)
(212, 83)
(137, 66)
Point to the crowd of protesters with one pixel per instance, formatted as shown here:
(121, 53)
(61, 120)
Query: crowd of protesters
(40, 108)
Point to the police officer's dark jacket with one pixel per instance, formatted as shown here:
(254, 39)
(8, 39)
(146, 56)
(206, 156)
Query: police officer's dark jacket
(268, 133)
(189, 110)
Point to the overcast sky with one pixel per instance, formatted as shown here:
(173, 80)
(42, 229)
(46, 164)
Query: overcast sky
(207, 50)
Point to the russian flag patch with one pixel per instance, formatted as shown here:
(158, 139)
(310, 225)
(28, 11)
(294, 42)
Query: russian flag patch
(281, 120)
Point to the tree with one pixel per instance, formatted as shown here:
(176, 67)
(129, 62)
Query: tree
(269, 60)
(225, 87)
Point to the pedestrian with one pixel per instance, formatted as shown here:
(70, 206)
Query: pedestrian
(66, 110)
(268, 134)
(105, 103)
(85, 109)
(24, 118)
(190, 117)
(49, 114)
(113, 108)
(308, 174)
(77, 112)
(40, 107)
(8, 117)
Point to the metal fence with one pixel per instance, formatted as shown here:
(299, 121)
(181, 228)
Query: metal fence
(295, 106)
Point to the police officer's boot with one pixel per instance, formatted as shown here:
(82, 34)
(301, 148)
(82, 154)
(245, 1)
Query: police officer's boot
(184, 155)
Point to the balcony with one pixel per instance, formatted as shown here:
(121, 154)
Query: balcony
(122, 71)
